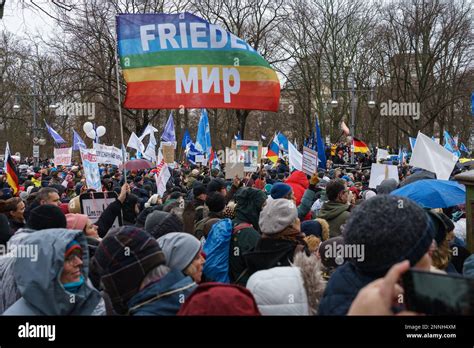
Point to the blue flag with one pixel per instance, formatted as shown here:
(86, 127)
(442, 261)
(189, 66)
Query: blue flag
(77, 141)
(321, 149)
(56, 137)
(203, 138)
(169, 134)
(186, 139)
(464, 148)
(450, 144)
(472, 103)
(238, 137)
(412, 143)
(192, 152)
(283, 141)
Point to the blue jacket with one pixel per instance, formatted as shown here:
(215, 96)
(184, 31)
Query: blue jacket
(342, 289)
(165, 296)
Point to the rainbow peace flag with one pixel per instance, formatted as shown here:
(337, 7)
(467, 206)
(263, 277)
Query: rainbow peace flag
(173, 61)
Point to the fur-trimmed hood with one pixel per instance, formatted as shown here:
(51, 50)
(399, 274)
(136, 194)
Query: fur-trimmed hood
(294, 290)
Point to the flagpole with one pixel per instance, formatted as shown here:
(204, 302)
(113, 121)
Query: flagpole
(119, 99)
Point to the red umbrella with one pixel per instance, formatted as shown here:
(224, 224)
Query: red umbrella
(137, 164)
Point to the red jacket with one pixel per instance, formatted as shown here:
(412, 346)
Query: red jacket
(299, 183)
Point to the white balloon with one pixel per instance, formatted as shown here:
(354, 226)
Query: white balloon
(87, 127)
(100, 131)
(91, 134)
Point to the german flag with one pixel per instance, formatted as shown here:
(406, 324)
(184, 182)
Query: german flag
(360, 146)
(12, 175)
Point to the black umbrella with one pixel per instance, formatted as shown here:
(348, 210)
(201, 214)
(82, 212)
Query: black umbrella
(422, 174)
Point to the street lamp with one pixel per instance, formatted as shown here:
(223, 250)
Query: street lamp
(16, 108)
(371, 103)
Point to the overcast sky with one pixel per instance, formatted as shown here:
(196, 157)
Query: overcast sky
(26, 21)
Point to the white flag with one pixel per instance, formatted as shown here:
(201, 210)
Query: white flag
(433, 157)
(148, 130)
(161, 178)
(150, 152)
(295, 157)
(7, 153)
(135, 143)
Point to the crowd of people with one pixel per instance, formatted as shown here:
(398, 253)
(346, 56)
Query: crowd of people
(266, 243)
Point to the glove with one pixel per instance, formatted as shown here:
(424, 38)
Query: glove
(314, 180)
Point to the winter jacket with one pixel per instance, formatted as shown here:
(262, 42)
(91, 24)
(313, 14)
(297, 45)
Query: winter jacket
(299, 183)
(163, 297)
(269, 253)
(336, 214)
(38, 280)
(342, 288)
(15, 225)
(294, 290)
(307, 201)
(9, 292)
(249, 204)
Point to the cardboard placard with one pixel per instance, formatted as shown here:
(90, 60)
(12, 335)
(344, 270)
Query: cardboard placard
(250, 152)
(310, 161)
(62, 156)
(168, 152)
(93, 205)
(380, 172)
(233, 169)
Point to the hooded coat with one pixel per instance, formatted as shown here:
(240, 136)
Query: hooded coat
(163, 297)
(336, 214)
(294, 290)
(38, 280)
(248, 208)
(299, 183)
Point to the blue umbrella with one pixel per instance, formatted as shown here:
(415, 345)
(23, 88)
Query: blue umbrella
(431, 193)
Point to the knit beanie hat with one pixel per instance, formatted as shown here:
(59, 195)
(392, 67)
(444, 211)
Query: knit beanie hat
(180, 249)
(198, 189)
(279, 190)
(215, 202)
(76, 221)
(390, 229)
(160, 223)
(123, 259)
(276, 215)
(46, 216)
(215, 185)
(218, 299)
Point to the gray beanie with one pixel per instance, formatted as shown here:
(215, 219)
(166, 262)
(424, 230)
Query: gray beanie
(276, 215)
(155, 218)
(180, 249)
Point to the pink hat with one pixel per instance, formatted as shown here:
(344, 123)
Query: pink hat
(76, 221)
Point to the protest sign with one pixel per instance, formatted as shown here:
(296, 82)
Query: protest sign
(62, 156)
(382, 154)
(93, 205)
(168, 152)
(264, 152)
(310, 161)
(91, 169)
(233, 169)
(201, 159)
(380, 172)
(248, 153)
(108, 154)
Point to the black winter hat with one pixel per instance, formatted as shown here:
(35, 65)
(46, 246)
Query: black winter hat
(215, 185)
(46, 216)
(198, 189)
(390, 229)
(215, 202)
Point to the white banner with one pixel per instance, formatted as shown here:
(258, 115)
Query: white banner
(62, 156)
(108, 154)
(91, 169)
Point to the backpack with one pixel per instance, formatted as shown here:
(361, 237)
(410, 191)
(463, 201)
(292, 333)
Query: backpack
(217, 248)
